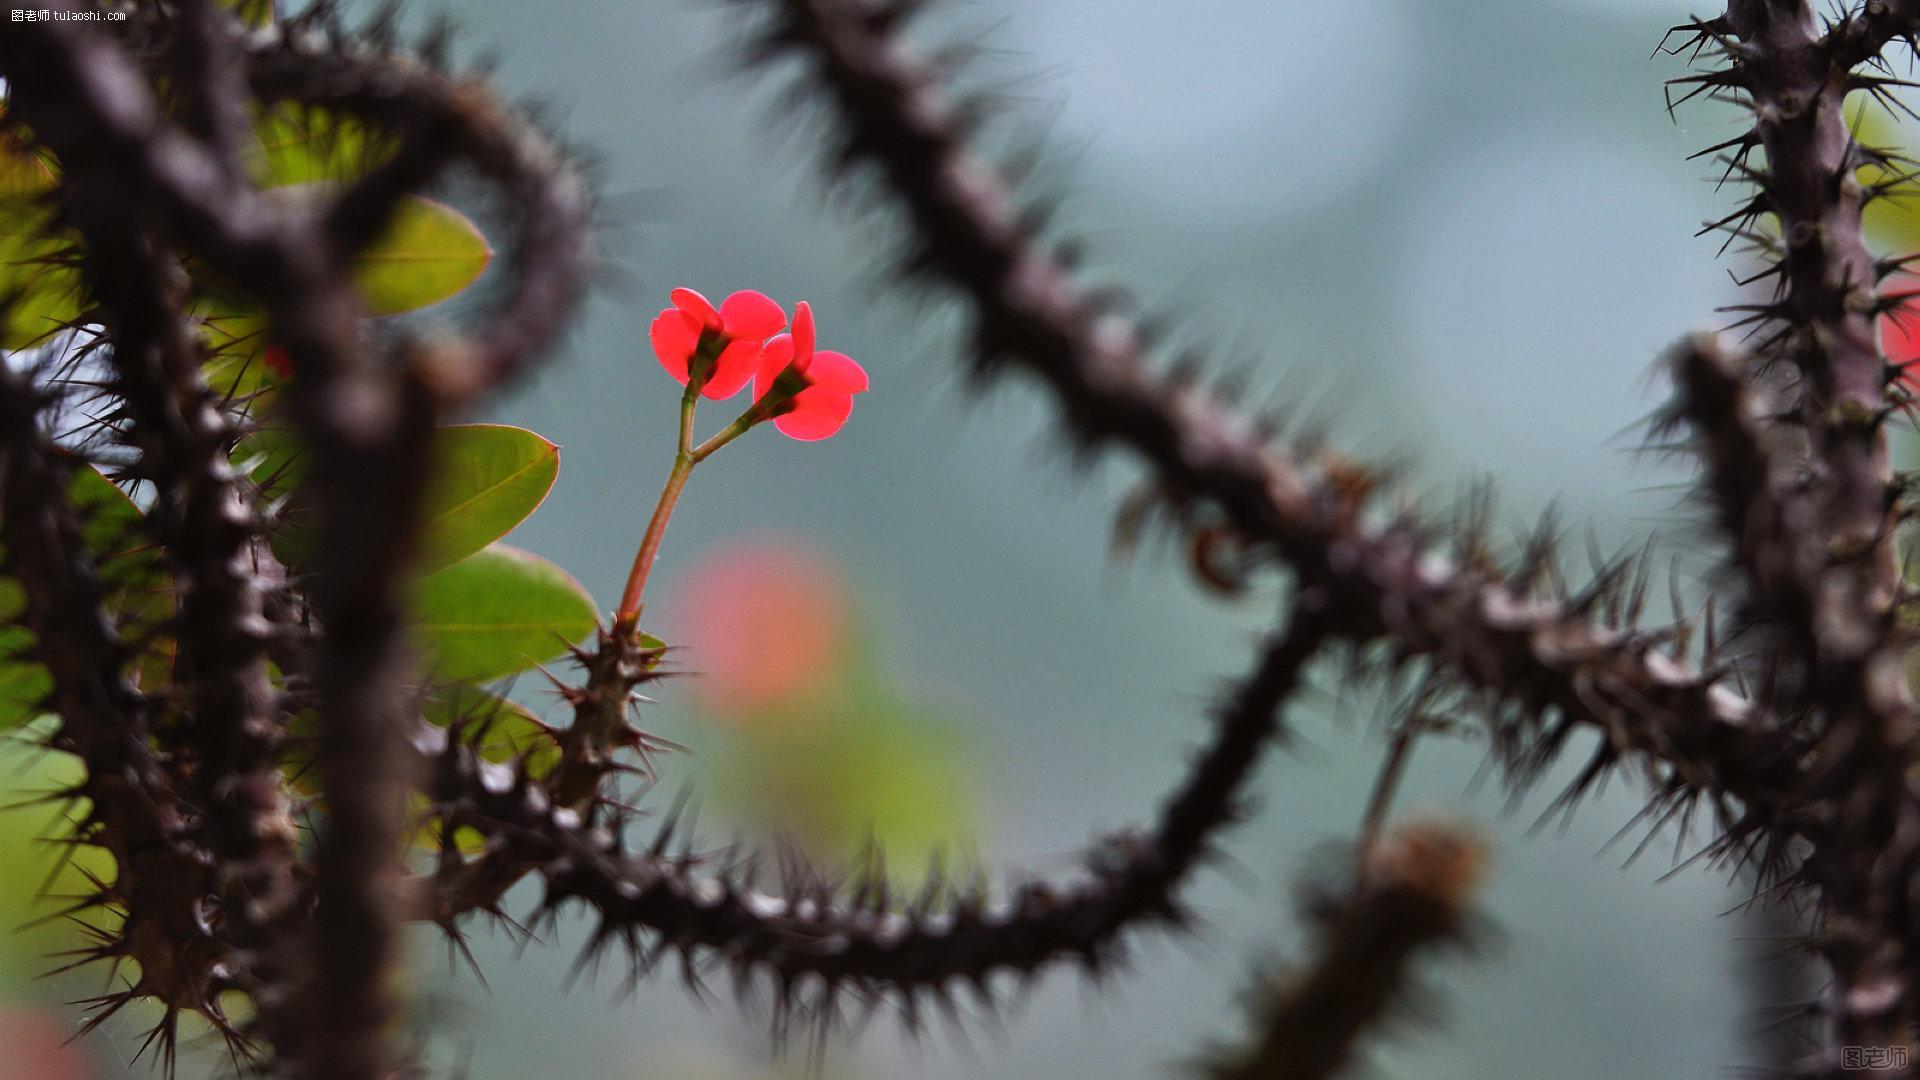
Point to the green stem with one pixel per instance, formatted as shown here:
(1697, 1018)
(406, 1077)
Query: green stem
(627, 617)
(789, 384)
(726, 435)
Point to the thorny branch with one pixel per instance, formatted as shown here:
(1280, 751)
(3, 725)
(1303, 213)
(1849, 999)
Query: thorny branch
(862, 945)
(1513, 649)
(1821, 325)
(183, 788)
(1410, 893)
(132, 809)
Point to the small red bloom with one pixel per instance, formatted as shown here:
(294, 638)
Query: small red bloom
(818, 409)
(734, 333)
(1900, 340)
(278, 361)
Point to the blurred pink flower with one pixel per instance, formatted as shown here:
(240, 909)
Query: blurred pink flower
(33, 1047)
(765, 622)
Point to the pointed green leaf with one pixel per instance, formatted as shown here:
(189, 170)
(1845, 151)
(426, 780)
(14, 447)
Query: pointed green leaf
(298, 144)
(486, 479)
(498, 611)
(277, 461)
(38, 280)
(429, 252)
(24, 685)
(235, 340)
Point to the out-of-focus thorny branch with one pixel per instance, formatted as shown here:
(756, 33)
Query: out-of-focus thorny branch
(1867, 30)
(366, 413)
(226, 735)
(182, 789)
(1411, 891)
(1522, 652)
(89, 102)
(1819, 554)
(1750, 478)
(132, 810)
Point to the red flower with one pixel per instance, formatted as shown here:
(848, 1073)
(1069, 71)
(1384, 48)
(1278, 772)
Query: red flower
(1900, 340)
(824, 399)
(730, 338)
(278, 361)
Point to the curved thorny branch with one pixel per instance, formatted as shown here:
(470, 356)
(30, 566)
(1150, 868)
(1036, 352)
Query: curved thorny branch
(1801, 745)
(852, 939)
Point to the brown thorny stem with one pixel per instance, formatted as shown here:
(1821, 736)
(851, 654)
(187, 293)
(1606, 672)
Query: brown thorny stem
(627, 617)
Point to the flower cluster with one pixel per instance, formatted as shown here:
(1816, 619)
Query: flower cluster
(808, 394)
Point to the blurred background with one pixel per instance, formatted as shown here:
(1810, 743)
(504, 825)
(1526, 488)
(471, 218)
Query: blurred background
(1458, 233)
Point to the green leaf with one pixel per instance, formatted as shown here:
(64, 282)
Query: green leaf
(276, 459)
(38, 278)
(429, 252)
(298, 144)
(487, 478)
(109, 514)
(1893, 223)
(498, 611)
(36, 274)
(24, 685)
(235, 340)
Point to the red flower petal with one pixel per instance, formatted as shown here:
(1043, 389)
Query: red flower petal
(1900, 339)
(802, 335)
(736, 365)
(698, 306)
(818, 412)
(774, 359)
(675, 334)
(278, 361)
(837, 370)
(750, 314)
